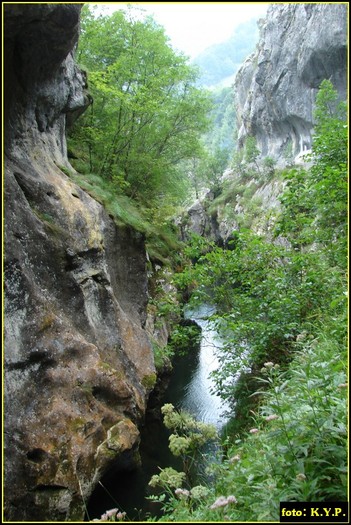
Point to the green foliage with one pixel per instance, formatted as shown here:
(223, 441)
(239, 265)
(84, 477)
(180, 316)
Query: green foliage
(162, 356)
(296, 220)
(281, 310)
(161, 238)
(272, 298)
(269, 167)
(251, 151)
(264, 294)
(237, 191)
(65, 170)
(196, 247)
(245, 163)
(147, 114)
(186, 441)
(168, 477)
(328, 176)
(315, 201)
(184, 338)
(149, 381)
(192, 434)
(295, 448)
(206, 171)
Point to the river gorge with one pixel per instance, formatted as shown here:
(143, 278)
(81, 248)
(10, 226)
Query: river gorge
(190, 388)
(90, 189)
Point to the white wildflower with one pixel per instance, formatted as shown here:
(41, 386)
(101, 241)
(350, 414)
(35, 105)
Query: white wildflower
(300, 477)
(271, 417)
(182, 493)
(220, 502)
(234, 458)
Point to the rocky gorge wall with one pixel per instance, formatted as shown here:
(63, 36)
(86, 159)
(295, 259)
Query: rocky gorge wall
(78, 362)
(275, 89)
(250, 203)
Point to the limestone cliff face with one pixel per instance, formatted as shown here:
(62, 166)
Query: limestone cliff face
(78, 362)
(250, 204)
(300, 45)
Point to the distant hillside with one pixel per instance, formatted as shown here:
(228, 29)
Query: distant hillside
(220, 61)
(221, 134)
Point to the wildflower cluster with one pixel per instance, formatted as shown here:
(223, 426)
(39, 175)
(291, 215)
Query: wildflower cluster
(168, 477)
(196, 493)
(179, 445)
(223, 502)
(302, 336)
(271, 417)
(199, 492)
(173, 419)
(189, 434)
(182, 421)
(182, 493)
(269, 367)
(301, 476)
(112, 515)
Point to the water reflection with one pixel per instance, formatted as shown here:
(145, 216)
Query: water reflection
(199, 396)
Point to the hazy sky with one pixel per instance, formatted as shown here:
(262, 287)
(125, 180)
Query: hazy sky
(193, 26)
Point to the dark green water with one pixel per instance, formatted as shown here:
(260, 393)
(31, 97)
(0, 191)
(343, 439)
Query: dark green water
(189, 389)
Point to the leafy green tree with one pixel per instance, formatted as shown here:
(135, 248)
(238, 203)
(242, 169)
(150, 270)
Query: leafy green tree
(314, 204)
(147, 114)
(213, 166)
(269, 164)
(288, 153)
(328, 176)
(295, 223)
(205, 170)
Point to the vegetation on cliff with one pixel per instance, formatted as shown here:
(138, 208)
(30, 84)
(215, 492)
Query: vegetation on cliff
(77, 284)
(283, 306)
(147, 115)
(136, 146)
(280, 301)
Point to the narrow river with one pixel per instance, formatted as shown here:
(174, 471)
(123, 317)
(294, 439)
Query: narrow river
(195, 392)
(191, 389)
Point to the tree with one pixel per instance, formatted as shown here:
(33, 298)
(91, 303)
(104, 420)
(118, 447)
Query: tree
(328, 176)
(147, 114)
(205, 170)
(266, 292)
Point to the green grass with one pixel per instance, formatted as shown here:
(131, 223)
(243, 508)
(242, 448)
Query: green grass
(161, 240)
